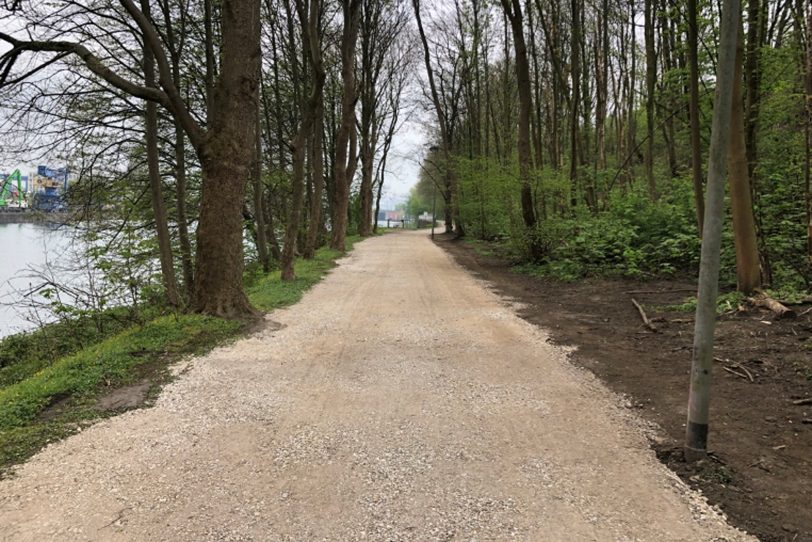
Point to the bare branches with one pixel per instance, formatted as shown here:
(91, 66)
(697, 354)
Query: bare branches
(64, 48)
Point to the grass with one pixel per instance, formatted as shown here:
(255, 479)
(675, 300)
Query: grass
(269, 292)
(51, 380)
(724, 303)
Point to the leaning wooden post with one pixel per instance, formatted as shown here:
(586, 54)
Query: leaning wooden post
(696, 434)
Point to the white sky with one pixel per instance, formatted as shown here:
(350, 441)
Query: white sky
(403, 163)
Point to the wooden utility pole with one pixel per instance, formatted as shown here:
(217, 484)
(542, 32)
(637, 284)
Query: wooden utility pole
(696, 435)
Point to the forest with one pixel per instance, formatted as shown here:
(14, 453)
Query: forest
(224, 154)
(210, 136)
(577, 133)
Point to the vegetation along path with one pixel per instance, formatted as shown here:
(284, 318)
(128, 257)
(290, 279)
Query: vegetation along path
(399, 400)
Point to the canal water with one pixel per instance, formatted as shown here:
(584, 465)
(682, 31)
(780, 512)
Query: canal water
(24, 247)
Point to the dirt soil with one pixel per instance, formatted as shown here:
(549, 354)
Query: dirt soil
(760, 469)
(399, 400)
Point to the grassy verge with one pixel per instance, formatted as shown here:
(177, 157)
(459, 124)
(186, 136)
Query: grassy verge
(51, 380)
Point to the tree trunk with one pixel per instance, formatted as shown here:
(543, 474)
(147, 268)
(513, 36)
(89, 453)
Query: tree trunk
(183, 218)
(351, 13)
(808, 135)
(693, 85)
(514, 14)
(309, 17)
(314, 225)
(651, 78)
(602, 83)
(453, 206)
(258, 189)
(696, 433)
(744, 231)
(575, 100)
(155, 188)
(226, 156)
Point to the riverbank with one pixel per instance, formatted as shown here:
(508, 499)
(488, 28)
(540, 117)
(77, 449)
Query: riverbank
(31, 217)
(63, 377)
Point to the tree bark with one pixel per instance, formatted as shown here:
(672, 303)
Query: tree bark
(156, 190)
(575, 100)
(314, 226)
(452, 207)
(748, 275)
(513, 10)
(344, 160)
(258, 191)
(309, 17)
(651, 79)
(693, 85)
(226, 156)
(808, 135)
(696, 433)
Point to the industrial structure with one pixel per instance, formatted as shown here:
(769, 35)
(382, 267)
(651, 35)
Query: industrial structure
(44, 191)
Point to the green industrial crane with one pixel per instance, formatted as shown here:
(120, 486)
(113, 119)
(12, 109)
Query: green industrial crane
(5, 187)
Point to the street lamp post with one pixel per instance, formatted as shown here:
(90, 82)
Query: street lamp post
(433, 210)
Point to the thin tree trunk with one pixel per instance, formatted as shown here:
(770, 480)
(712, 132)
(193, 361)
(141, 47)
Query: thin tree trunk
(693, 85)
(258, 189)
(309, 17)
(343, 180)
(808, 135)
(444, 131)
(514, 14)
(314, 226)
(575, 100)
(156, 191)
(696, 433)
(183, 218)
(744, 231)
(651, 78)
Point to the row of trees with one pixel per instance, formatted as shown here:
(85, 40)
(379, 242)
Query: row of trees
(211, 126)
(549, 111)
(546, 97)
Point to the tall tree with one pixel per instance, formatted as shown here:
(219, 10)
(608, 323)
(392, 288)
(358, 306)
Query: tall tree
(693, 85)
(696, 433)
(651, 80)
(744, 230)
(452, 195)
(513, 10)
(156, 191)
(225, 147)
(346, 140)
(309, 20)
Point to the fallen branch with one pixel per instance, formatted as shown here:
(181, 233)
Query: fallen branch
(645, 319)
(659, 291)
(805, 401)
(743, 368)
(780, 311)
(802, 301)
(737, 373)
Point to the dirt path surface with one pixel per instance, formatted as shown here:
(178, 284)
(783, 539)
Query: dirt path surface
(760, 468)
(401, 400)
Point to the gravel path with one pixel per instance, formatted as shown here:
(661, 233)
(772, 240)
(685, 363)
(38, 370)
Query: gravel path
(401, 400)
